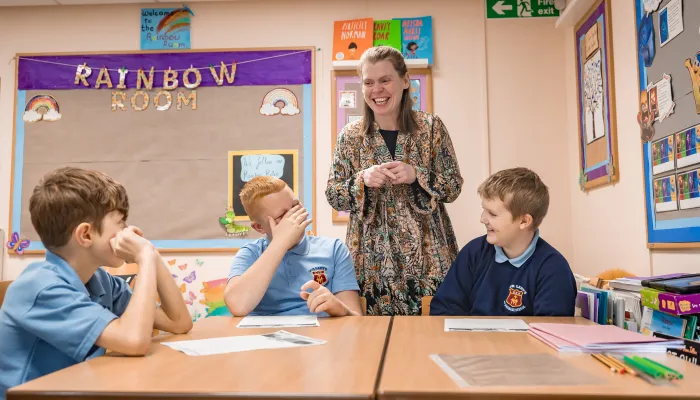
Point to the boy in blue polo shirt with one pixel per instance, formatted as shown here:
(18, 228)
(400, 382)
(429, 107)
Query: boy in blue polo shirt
(67, 309)
(272, 275)
(510, 270)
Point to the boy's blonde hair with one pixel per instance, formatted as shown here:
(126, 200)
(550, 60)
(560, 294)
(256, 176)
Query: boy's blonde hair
(256, 189)
(69, 196)
(521, 190)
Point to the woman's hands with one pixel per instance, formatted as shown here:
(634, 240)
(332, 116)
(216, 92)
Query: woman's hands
(391, 173)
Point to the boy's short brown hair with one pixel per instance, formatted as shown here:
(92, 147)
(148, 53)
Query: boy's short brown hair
(521, 190)
(69, 196)
(256, 189)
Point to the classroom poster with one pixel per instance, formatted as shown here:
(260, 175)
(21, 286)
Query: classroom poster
(688, 147)
(688, 190)
(670, 21)
(415, 94)
(665, 194)
(165, 28)
(593, 95)
(351, 38)
(663, 152)
(387, 33)
(417, 38)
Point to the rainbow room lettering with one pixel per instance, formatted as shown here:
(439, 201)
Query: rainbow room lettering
(174, 87)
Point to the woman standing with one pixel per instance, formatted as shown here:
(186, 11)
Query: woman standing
(393, 170)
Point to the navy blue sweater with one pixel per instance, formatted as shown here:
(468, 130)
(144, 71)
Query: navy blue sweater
(478, 285)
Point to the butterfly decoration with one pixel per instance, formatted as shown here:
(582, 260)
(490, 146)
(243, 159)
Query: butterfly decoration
(174, 276)
(182, 288)
(190, 278)
(233, 229)
(17, 244)
(172, 262)
(182, 266)
(196, 315)
(198, 262)
(191, 298)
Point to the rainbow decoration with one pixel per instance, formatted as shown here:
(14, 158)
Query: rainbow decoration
(269, 107)
(214, 298)
(176, 20)
(42, 107)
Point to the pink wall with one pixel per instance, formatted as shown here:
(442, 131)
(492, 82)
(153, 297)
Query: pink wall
(497, 82)
(527, 113)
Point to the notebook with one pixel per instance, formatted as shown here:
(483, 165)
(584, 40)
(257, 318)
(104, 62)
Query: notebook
(598, 338)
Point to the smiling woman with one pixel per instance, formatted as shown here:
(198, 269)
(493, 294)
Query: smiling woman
(393, 170)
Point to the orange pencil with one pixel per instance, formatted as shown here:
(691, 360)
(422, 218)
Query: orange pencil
(618, 365)
(622, 365)
(604, 362)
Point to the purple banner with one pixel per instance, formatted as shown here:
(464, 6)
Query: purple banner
(272, 67)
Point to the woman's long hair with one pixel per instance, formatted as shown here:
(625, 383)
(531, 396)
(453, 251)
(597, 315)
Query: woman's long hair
(380, 53)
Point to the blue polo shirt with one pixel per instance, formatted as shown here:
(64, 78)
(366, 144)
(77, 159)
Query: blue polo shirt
(322, 259)
(484, 281)
(50, 320)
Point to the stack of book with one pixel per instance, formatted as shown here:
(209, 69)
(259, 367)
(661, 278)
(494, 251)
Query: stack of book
(599, 339)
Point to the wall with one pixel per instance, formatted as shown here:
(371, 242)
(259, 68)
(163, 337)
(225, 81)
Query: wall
(608, 224)
(519, 103)
(527, 117)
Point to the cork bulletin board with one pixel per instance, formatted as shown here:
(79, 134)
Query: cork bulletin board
(595, 88)
(164, 125)
(348, 103)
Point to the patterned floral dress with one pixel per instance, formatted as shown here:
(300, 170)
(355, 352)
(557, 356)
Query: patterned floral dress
(400, 237)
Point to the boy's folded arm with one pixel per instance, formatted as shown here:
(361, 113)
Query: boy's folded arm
(131, 333)
(556, 289)
(249, 278)
(172, 315)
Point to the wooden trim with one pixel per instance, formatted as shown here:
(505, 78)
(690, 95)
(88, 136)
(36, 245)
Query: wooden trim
(314, 230)
(178, 396)
(12, 156)
(336, 218)
(670, 246)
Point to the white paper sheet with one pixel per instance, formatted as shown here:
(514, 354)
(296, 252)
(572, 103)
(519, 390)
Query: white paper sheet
(291, 321)
(485, 325)
(234, 344)
(670, 21)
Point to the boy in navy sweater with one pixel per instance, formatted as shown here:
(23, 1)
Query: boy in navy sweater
(510, 270)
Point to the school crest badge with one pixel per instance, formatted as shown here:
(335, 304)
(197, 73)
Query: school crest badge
(514, 301)
(319, 274)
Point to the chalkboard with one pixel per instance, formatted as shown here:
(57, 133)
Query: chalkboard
(245, 165)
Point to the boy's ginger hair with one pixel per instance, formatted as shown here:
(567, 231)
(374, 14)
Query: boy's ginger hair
(69, 196)
(521, 190)
(256, 189)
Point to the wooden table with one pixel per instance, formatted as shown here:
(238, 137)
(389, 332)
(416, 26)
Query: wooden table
(346, 367)
(409, 373)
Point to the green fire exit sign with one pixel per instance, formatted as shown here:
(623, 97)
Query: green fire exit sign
(520, 9)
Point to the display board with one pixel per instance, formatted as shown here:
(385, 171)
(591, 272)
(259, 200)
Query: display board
(669, 115)
(165, 126)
